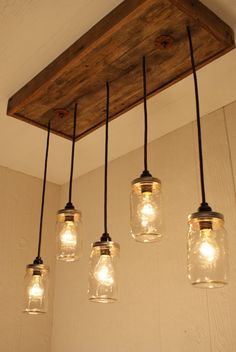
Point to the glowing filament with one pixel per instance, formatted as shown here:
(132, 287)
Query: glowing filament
(147, 209)
(68, 236)
(208, 248)
(36, 287)
(104, 271)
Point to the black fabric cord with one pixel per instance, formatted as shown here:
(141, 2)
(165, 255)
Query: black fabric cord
(38, 259)
(105, 236)
(145, 114)
(204, 206)
(69, 204)
(106, 158)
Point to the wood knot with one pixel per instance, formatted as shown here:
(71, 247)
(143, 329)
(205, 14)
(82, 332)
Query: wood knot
(164, 42)
(61, 113)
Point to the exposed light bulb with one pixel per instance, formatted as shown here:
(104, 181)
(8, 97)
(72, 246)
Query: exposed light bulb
(68, 236)
(104, 270)
(36, 287)
(208, 248)
(147, 209)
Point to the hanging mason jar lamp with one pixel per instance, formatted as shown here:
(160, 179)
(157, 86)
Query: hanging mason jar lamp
(36, 277)
(36, 288)
(69, 226)
(102, 285)
(207, 253)
(145, 200)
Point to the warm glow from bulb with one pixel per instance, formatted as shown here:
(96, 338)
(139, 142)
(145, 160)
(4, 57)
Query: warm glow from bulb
(147, 209)
(36, 287)
(208, 251)
(208, 248)
(68, 236)
(104, 270)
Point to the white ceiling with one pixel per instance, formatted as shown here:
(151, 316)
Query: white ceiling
(34, 32)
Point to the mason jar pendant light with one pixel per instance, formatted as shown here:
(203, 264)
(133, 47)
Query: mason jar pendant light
(36, 277)
(69, 226)
(207, 247)
(145, 199)
(102, 286)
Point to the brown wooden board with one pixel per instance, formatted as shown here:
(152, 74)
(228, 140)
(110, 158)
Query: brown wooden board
(112, 51)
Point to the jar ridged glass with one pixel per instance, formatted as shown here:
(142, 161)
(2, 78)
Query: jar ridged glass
(68, 235)
(207, 251)
(146, 209)
(36, 289)
(103, 286)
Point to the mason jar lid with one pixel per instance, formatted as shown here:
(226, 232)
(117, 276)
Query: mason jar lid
(106, 244)
(40, 267)
(203, 215)
(100, 247)
(68, 211)
(147, 179)
(68, 214)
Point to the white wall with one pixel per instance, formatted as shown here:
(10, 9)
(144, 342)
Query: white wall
(158, 310)
(19, 219)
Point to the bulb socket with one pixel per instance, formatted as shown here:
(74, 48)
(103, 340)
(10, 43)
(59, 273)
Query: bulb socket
(36, 272)
(147, 188)
(105, 251)
(69, 218)
(205, 225)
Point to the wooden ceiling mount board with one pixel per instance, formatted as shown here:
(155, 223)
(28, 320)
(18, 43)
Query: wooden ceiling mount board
(112, 51)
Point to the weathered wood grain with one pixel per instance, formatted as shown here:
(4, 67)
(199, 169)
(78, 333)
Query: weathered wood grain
(112, 50)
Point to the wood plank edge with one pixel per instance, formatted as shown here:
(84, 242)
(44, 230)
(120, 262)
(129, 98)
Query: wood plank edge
(207, 18)
(121, 112)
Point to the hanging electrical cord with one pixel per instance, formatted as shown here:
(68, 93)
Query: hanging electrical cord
(69, 229)
(69, 205)
(105, 236)
(145, 200)
(207, 263)
(102, 267)
(204, 205)
(36, 278)
(145, 113)
(38, 259)
(145, 172)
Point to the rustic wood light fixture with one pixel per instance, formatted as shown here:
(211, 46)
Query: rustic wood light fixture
(111, 51)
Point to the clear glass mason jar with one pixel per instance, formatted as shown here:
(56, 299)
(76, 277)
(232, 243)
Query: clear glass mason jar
(102, 285)
(68, 235)
(36, 289)
(146, 209)
(207, 251)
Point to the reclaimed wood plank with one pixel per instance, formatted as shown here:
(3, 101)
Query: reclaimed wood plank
(112, 50)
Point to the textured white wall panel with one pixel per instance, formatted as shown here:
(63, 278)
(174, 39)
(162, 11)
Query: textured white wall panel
(158, 310)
